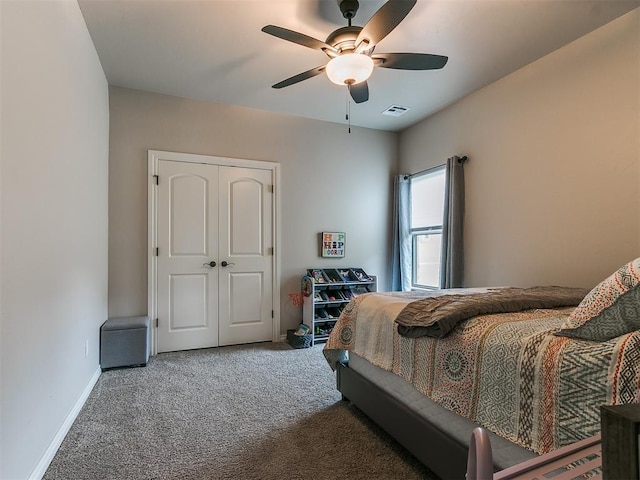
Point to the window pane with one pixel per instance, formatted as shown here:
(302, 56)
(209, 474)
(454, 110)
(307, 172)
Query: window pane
(427, 199)
(427, 259)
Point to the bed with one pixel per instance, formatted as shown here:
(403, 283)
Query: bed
(532, 366)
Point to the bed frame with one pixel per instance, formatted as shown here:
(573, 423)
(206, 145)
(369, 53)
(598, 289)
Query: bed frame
(445, 456)
(437, 437)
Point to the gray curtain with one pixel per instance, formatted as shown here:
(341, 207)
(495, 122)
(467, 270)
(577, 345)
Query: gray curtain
(401, 245)
(452, 260)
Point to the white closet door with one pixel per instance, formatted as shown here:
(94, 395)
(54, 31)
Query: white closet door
(187, 242)
(246, 255)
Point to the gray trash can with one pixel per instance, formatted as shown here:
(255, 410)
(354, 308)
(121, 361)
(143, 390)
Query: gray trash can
(124, 342)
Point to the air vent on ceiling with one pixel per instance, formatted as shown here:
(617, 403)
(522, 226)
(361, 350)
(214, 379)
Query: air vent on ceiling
(395, 110)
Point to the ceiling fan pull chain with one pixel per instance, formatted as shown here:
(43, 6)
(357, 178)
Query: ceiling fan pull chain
(348, 106)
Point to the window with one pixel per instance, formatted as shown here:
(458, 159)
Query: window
(427, 206)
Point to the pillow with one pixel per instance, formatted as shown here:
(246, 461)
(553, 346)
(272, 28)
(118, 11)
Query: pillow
(611, 309)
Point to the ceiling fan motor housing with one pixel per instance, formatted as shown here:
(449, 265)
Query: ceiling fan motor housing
(344, 39)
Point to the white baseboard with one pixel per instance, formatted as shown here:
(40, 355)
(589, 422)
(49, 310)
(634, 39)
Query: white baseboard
(50, 452)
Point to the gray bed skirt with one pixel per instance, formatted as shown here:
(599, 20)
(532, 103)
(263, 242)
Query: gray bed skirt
(437, 437)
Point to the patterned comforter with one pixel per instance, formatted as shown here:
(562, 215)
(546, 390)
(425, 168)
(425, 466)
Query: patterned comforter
(507, 372)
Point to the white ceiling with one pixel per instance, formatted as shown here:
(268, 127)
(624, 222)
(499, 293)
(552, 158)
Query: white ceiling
(214, 50)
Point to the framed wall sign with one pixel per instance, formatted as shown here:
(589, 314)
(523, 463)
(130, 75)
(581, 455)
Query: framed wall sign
(333, 244)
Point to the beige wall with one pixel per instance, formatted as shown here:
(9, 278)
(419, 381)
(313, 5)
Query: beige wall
(330, 180)
(53, 257)
(553, 181)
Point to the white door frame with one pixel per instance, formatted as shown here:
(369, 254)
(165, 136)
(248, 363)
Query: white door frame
(154, 156)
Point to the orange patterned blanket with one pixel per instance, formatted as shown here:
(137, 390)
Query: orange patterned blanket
(507, 372)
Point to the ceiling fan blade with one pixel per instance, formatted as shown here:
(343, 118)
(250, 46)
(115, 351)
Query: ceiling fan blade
(410, 61)
(300, 39)
(300, 77)
(382, 23)
(359, 92)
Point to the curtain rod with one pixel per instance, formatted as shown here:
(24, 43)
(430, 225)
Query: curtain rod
(462, 159)
(424, 172)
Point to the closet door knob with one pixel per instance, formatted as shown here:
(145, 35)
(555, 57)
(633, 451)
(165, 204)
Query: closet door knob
(225, 263)
(210, 264)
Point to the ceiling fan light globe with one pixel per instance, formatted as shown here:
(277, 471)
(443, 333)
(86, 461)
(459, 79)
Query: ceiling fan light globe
(349, 68)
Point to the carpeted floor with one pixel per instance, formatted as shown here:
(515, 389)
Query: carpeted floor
(261, 411)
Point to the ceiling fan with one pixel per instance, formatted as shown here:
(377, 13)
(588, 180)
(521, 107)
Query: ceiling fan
(351, 48)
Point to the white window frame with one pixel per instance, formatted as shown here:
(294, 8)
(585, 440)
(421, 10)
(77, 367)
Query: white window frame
(423, 230)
